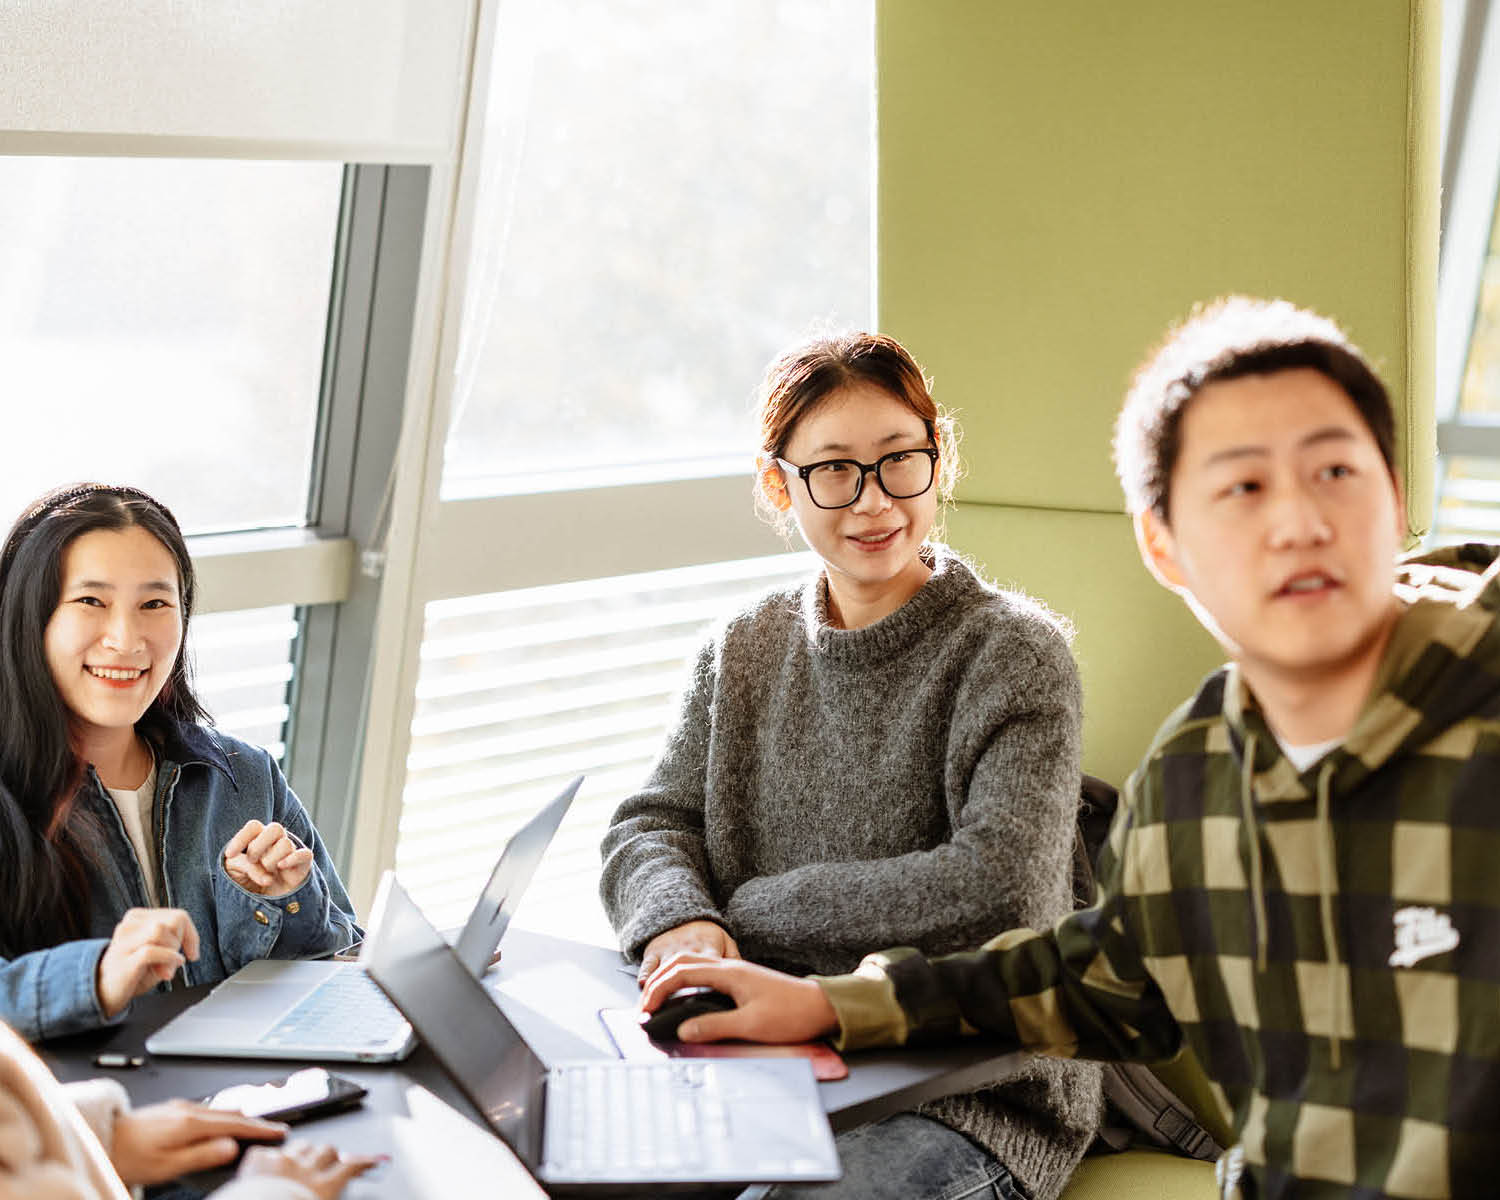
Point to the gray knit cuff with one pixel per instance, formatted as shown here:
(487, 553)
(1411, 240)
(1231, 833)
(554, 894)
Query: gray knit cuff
(1041, 1157)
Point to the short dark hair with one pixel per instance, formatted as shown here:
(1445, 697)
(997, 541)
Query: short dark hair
(46, 843)
(1227, 339)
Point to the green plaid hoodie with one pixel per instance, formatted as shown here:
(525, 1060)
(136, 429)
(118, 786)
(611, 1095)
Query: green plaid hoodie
(1328, 943)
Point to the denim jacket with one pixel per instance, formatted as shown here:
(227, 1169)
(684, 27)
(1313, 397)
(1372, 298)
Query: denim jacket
(207, 786)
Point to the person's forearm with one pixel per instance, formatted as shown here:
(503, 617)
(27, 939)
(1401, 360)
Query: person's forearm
(48, 993)
(663, 890)
(1038, 989)
(827, 916)
(655, 872)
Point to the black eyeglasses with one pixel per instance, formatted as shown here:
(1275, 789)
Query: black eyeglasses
(838, 482)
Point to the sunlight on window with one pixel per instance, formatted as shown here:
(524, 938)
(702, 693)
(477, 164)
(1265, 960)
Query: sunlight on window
(162, 324)
(669, 194)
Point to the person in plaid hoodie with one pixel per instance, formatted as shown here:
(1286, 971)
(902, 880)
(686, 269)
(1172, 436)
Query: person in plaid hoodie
(1300, 882)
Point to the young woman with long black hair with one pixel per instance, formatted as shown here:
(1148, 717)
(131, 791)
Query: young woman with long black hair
(135, 840)
(886, 755)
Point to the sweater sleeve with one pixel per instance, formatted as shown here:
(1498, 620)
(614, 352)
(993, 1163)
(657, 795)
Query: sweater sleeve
(656, 868)
(1012, 769)
(1078, 989)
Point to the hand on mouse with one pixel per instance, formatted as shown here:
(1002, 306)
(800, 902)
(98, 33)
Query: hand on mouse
(705, 939)
(662, 1025)
(160, 1142)
(769, 1006)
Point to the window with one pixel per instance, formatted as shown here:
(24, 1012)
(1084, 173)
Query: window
(1469, 487)
(162, 324)
(1468, 327)
(242, 668)
(668, 194)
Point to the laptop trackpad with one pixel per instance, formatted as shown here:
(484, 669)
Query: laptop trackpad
(264, 990)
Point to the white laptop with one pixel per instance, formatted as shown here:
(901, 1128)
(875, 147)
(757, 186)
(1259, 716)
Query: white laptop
(330, 1011)
(602, 1124)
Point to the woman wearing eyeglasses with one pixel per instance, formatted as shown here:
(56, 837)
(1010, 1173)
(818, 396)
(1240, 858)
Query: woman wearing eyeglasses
(887, 755)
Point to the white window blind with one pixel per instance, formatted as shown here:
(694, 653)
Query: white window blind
(243, 668)
(1468, 495)
(520, 691)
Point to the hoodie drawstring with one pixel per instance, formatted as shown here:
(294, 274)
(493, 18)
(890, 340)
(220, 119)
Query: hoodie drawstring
(1252, 832)
(1326, 885)
(1327, 888)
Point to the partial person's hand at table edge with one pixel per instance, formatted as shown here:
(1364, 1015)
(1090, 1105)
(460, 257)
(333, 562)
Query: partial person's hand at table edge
(161, 1142)
(319, 1168)
(769, 1006)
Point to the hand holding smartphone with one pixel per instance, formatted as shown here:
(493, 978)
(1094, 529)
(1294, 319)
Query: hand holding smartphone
(301, 1096)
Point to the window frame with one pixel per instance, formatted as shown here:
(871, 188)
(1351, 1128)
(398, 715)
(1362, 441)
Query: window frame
(1471, 192)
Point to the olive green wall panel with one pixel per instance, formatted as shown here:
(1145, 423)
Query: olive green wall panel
(1058, 180)
(1139, 651)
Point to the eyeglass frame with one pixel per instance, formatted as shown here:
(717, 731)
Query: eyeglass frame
(864, 469)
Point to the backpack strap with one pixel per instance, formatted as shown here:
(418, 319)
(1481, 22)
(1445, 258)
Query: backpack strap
(1141, 1109)
(1152, 1113)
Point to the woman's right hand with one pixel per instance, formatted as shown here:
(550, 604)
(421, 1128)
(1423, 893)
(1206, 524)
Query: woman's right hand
(768, 1006)
(702, 938)
(148, 947)
(321, 1168)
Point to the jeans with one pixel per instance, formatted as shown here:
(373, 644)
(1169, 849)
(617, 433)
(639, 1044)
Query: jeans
(908, 1157)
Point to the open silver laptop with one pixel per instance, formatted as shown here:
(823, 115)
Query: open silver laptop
(599, 1124)
(330, 1011)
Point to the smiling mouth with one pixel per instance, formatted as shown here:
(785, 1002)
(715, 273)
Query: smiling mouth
(874, 540)
(116, 674)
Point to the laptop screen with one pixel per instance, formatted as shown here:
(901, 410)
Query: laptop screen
(518, 863)
(457, 1020)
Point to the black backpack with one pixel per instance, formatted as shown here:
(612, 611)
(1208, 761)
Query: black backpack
(1139, 1107)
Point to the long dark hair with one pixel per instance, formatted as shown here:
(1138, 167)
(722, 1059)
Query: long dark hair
(46, 841)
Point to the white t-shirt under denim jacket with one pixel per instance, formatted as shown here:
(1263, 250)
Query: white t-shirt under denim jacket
(208, 785)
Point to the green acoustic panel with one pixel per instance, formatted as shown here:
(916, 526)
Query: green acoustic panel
(1139, 650)
(1060, 180)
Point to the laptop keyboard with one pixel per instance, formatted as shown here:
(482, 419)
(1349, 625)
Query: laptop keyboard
(627, 1118)
(347, 1010)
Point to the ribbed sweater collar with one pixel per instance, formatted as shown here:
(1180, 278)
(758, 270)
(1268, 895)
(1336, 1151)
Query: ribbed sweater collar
(853, 649)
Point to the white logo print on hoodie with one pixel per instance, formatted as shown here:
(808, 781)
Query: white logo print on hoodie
(1421, 933)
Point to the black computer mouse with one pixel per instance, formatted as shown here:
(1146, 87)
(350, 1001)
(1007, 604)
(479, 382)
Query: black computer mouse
(679, 1006)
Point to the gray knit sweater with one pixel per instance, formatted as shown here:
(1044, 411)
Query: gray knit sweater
(826, 793)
